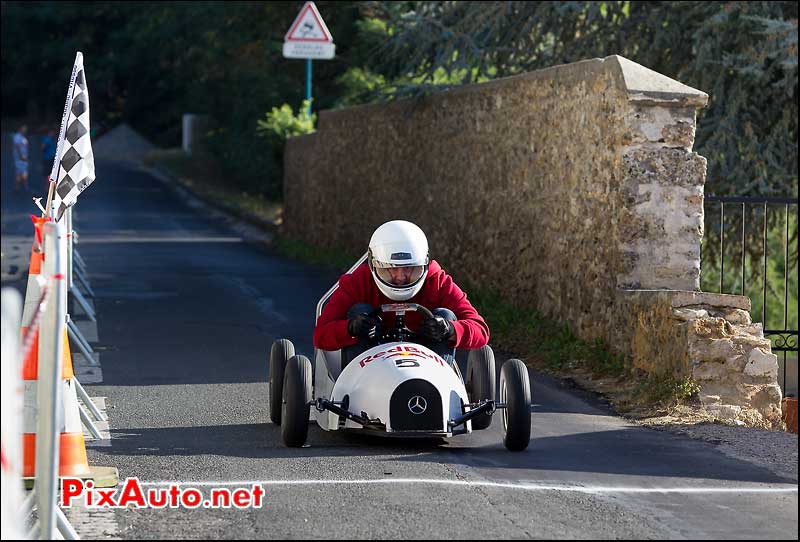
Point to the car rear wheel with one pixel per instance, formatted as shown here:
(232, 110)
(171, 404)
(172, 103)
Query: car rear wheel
(282, 350)
(515, 392)
(480, 382)
(296, 400)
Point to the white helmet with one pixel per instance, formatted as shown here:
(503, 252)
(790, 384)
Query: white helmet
(398, 259)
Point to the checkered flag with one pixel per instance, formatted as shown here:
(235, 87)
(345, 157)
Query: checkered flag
(74, 162)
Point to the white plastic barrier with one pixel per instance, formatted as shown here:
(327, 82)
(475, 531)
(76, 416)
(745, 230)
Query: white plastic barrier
(47, 407)
(48, 397)
(12, 520)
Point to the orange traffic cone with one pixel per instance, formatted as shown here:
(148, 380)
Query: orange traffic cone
(73, 461)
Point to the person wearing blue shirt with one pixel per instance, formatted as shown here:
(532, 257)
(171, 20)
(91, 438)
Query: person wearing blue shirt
(48, 154)
(20, 153)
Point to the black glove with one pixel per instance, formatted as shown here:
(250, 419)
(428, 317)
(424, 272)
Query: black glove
(437, 328)
(364, 326)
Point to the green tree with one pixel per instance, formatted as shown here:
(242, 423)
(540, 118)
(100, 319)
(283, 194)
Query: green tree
(744, 54)
(147, 63)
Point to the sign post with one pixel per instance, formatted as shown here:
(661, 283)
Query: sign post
(309, 38)
(308, 85)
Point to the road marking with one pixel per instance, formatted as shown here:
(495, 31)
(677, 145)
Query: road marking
(265, 304)
(504, 485)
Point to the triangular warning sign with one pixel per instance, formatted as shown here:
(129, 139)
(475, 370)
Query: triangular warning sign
(309, 26)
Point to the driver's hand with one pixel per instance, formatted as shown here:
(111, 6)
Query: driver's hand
(437, 328)
(363, 326)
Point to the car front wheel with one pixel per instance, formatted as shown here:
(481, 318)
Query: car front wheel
(515, 392)
(296, 401)
(282, 350)
(480, 382)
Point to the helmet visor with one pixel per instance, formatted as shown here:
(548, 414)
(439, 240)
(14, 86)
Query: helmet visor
(397, 275)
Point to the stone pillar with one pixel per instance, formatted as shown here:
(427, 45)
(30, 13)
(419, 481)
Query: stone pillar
(666, 326)
(662, 225)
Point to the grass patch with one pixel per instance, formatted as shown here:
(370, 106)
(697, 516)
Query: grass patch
(298, 250)
(548, 344)
(666, 391)
(204, 177)
(554, 348)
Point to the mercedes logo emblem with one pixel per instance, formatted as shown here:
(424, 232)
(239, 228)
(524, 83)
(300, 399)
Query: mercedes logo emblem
(417, 405)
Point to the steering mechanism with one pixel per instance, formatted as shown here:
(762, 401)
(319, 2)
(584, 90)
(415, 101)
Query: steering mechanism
(400, 332)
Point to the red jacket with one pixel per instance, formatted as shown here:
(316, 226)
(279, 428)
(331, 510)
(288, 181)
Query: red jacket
(439, 291)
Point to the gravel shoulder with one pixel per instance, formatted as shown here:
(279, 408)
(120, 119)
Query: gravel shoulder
(772, 449)
(775, 451)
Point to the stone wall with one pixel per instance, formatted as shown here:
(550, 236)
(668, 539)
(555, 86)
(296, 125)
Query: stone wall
(556, 188)
(709, 337)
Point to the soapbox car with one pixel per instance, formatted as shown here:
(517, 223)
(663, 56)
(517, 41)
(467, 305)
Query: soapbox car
(397, 387)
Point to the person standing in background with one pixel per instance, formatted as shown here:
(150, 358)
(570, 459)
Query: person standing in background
(21, 159)
(48, 155)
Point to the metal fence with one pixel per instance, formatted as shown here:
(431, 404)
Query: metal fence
(752, 221)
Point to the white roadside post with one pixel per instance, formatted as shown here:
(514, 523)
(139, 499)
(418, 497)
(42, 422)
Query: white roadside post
(52, 522)
(12, 502)
(48, 396)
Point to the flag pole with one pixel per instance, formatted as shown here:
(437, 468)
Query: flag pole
(62, 134)
(49, 199)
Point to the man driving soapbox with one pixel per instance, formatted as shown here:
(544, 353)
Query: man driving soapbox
(399, 270)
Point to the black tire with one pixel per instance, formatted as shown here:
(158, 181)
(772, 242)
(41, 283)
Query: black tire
(296, 399)
(480, 382)
(515, 392)
(282, 350)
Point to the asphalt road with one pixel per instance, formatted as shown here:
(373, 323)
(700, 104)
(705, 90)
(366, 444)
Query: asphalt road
(188, 306)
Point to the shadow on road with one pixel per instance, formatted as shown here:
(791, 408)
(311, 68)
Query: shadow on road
(630, 452)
